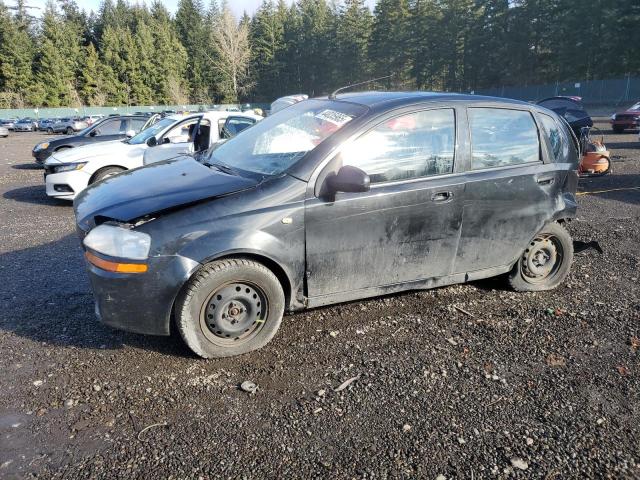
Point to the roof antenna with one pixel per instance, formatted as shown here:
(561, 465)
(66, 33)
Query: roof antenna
(333, 95)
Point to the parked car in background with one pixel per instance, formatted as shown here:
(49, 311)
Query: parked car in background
(332, 200)
(45, 123)
(572, 110)
(107, 129)
(91, 119)
(197, 132)
(68, 125)
(68, 172)
(26, 125)
(9, 123)
(4, 132)
(284, 102)
(627, 119)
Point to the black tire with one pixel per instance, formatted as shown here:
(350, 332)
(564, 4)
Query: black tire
(69, 131)
(50, 131)
(220, 287)
(618, 128)
(554, 243)
(105, 173)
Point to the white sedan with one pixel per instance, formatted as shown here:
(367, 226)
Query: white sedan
(68, 172)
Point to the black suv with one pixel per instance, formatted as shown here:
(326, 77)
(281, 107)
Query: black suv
(110, 128)
(331, 200)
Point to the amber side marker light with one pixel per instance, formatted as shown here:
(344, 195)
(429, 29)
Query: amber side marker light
(115, 266)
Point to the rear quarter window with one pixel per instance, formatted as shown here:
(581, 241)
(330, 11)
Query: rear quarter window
(557, 138)
(502, 137)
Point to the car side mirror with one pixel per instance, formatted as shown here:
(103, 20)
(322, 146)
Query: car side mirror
(152, 141)
(349, 179)
(130, 133)
(93, 133)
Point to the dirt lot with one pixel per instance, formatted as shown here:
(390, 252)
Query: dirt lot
(539, 385)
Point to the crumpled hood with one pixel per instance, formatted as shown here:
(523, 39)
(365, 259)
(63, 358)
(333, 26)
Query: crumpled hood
(84, 153)
(154, 188)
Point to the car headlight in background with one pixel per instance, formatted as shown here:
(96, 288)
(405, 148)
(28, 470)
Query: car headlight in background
(118, 242)
(42, 146)
(67, 167)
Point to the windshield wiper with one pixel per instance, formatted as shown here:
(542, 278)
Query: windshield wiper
(223, 168)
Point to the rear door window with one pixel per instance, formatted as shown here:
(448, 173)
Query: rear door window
(110, 127)
(502, 137)
(411, 146)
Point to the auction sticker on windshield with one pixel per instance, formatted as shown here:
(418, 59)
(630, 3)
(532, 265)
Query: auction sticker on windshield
(337, 118)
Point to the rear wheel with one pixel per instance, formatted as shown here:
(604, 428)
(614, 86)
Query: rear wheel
(69, 131)
(546, 261)
(50, 131)
(230, 307)
(105, 173)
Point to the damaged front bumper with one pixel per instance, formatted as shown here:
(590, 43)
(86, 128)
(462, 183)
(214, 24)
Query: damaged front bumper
(140, 302)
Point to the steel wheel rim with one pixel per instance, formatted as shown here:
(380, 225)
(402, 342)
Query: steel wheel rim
(234, 313)
(542, 259)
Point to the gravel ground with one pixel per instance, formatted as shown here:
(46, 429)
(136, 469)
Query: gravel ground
(470, 381)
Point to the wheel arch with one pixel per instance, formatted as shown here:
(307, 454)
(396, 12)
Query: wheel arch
(270, 263)
(101, 169)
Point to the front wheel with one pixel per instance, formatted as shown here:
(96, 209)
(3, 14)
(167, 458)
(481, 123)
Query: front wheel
(230, 307)
(105, 173)
(546, 261)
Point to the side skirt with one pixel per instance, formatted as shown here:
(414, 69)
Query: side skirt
(423, 284)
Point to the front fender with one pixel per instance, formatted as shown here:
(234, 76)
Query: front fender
(283, 255)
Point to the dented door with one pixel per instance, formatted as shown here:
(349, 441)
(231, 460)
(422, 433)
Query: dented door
(388, 235)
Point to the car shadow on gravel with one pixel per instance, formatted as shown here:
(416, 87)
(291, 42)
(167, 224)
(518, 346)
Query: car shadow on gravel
(35, 194)
(27, 166)
(46, 297)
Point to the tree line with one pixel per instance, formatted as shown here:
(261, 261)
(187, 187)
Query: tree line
(131, 53)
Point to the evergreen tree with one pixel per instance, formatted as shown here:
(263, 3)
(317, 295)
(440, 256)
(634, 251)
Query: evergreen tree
(191, 30)
(16, 55)
(59, 58)
(91, 84)
(390, 36)
(352, 39)
(310, 43)
(169, 66)
(267, 41)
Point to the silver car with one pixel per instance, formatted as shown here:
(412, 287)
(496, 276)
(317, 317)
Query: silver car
(8, 124)
(26, 125)
(68, 126)
(4, 132)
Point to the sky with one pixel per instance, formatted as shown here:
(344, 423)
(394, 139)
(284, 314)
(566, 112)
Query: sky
(238, 6)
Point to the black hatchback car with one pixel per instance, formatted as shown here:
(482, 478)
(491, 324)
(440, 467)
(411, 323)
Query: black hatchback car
(111, 128)
(331, 200)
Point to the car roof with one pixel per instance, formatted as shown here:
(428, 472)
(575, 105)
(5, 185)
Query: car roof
(374, 99)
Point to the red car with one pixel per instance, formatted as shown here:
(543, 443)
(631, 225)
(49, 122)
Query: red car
(622, 121)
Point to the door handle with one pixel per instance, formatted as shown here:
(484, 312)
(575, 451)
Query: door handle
(442, 197)
(545, 180)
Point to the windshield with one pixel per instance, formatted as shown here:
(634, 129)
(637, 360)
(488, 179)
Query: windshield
(274, 144)
(151, 131)
(635, 107)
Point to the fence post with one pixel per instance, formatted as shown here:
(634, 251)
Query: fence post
(626, 93)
